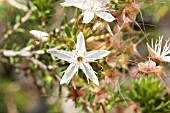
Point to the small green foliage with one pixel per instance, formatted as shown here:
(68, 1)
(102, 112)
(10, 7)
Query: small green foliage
(67, 31)
(149, 93)
(65, 20)
(43, 5)
(45, 10)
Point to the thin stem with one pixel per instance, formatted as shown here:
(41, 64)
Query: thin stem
(103, 108)
(73, 83)
(17, 25)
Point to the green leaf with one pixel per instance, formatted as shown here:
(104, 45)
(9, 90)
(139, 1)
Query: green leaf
(20, 30)
(67, 31)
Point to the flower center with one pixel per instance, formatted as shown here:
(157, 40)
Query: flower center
(79, 59)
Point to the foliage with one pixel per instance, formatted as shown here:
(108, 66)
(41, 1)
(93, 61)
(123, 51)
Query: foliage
(150, 95)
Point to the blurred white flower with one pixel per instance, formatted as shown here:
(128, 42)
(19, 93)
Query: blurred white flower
(91, 8)
(40, 35)
(25, 52)
(10, 53)
(19, 4)
(157, 52)
(79, 58)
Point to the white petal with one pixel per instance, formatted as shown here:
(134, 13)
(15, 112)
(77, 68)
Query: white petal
(108, 28)
(150, 64)
(18, 4)
(99, 4)
(89, 72)
(69, 73)
(64, 55)
(95, 54)
(39, 35)
(166, 58)
(65, 4)
(88, 16)
(82, 4)
(80, 46)
(151, 51)
(28, 48)
(106, 16)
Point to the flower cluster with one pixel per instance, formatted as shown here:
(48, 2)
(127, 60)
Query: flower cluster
(158, 54)
(93, 57)
(80, 58)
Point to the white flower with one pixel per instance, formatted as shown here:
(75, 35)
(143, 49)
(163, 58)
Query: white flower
(40, 36)
(79, 58)
(157, 52)
(91, 8)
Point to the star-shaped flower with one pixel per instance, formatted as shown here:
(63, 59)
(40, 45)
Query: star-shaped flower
(79, 58)
(91, 8)
(157, 52)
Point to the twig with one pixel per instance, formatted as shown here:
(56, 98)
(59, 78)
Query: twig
(26, 51)
(17, 25)
(103, 108)
(39, 63)
(95, 38)
(73, 83)
(42, 89)
(11, 106)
